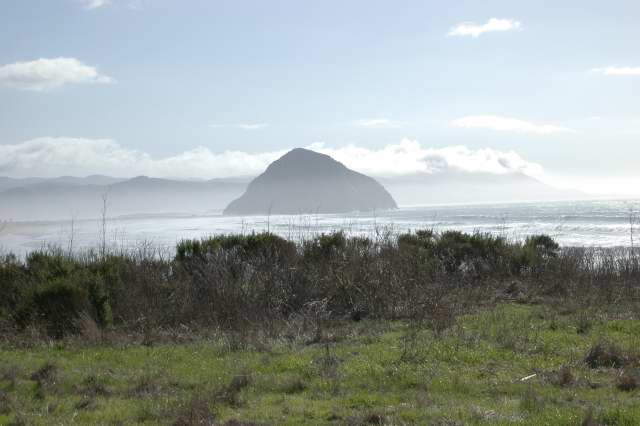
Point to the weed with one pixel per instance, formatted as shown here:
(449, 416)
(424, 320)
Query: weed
(196, 413)
(9, 374)
(146, 386)
(531, 401)
(45, 374)
(606, 354)
(563, 377)
(45, 379)
(589, 419)
(371, 418)
(293, 385)
(230, 394)
(91, 387)
(628, 381)
(86, 404)
(584, 323)
(6, 404)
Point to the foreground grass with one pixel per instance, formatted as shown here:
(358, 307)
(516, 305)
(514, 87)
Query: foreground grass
(364, 373)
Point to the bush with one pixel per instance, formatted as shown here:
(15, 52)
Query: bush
(99, 299)
(325, 246)
(543, 245)
(12, 285)
(243, 282)
(425, 239)
(59, 305)
(478, 253)
(247, 246)
(48, 265)
(538, 251)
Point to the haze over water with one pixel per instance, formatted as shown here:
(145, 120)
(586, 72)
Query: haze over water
(577, 223)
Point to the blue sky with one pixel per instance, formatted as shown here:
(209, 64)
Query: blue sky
(144, 86)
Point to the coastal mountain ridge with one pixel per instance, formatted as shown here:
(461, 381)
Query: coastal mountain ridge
(65, 197)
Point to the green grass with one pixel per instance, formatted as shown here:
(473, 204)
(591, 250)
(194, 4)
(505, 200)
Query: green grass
(371, 373)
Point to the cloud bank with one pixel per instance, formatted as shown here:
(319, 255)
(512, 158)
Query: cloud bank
(471, 29)
(47, 74)
(49, 157)
(506, 124)
(409, 157)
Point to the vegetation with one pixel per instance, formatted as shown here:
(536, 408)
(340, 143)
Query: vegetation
(426, 328)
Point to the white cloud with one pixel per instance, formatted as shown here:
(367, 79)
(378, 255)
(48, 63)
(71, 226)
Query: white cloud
(47, 74)
(409, 156)
(94, 4)
(618, 71)
(506, 124)
(492, 25)
(243, 126)
(49, 157)
(75, 156)
(379, 123)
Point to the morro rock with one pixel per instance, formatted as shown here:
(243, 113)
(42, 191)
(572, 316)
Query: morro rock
(303, 182)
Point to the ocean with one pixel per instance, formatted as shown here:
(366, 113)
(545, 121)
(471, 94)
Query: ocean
(612, 223)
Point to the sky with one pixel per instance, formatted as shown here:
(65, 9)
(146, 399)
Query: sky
(204, 88)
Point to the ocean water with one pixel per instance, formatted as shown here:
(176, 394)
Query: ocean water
(579, 223)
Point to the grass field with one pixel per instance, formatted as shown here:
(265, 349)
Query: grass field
(367, 372)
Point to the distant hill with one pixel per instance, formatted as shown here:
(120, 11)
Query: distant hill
(304, 181)
(64, 198)
(300, 182)
(456, 187)
(10, 183)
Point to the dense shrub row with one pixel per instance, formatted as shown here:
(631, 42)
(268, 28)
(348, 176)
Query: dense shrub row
(238, 280)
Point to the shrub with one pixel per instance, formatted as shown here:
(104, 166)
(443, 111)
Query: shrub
(48, 265)
(426, 239)
(245, 282)
(476, 252)
(247, 247)
(59, 305)
(99, 300)
(325, 246)
(543, 245)
(538, 251)
(12, 285)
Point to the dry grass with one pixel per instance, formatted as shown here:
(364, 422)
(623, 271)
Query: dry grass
(45, 378)
(628, 380)
(231, 393)
(196, 413)
(293, 385)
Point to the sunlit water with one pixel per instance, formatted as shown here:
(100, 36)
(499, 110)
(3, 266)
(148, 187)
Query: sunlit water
(582, 223)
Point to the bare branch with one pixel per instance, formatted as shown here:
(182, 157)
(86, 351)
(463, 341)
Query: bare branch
(103, 222)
